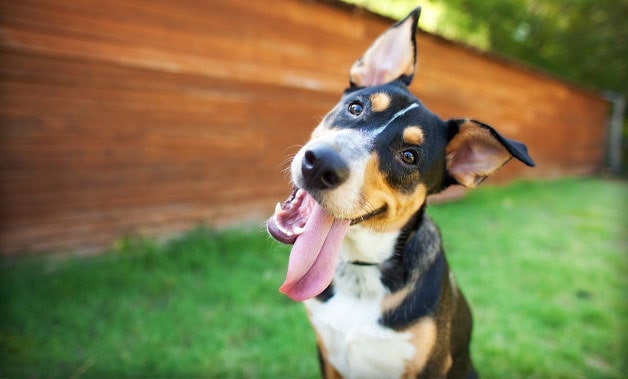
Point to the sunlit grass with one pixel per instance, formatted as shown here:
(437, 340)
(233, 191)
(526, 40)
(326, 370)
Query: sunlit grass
(543, 265)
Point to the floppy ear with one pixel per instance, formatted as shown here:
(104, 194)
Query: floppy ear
(476, 150)
(392, 56)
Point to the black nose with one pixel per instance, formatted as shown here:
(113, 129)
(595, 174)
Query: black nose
(323, 168)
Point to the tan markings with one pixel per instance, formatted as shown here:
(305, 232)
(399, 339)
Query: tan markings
(380, 101)
(423, 339)
(328, 371)
(376, 192)
(413, 135)
(447, 365)
(393, 300)
(473, 154)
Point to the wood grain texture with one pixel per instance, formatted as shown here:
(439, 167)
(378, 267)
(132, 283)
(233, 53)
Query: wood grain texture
(147, 117)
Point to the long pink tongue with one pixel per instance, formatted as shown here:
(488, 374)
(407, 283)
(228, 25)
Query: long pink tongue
(314, 256)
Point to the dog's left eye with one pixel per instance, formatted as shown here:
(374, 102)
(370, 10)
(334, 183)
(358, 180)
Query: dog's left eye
(356, 108)
(408, 157)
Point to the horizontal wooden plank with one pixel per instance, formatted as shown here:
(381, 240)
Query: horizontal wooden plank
(96, 230)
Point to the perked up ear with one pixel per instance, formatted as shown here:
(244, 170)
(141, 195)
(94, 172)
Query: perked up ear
(476, 150)
(392, 56)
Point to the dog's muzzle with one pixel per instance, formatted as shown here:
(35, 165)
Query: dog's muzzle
(323, 167)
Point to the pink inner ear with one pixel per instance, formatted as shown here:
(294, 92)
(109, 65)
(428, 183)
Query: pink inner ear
(390, 57)
(473, 154)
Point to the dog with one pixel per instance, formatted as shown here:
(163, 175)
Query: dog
(367, 260)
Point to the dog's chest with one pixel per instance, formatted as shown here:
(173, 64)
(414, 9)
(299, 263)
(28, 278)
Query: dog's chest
(357, 345)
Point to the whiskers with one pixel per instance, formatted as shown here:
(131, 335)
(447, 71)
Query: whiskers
(286, 171)
(285, 165)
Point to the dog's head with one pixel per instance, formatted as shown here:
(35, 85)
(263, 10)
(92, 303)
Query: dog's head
(375, 158)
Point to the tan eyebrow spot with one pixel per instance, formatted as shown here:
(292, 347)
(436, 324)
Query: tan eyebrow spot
(413, 135)
(379, 101)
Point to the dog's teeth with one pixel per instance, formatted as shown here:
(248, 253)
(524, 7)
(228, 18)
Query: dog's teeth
(285, 231)
(299, 231)
(278, 208)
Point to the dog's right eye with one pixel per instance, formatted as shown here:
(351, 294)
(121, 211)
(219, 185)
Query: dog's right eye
(408, 157)
(356, 108)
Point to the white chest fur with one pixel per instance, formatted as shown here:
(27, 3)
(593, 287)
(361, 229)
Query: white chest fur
(356, 344)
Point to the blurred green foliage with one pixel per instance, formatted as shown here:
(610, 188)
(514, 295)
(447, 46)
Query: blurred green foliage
(583, 41)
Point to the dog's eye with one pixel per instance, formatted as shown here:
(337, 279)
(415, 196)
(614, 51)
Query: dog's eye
(356, 108)
(408, 157)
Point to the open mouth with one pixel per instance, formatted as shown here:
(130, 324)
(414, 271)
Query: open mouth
(316, 237)
(290, 217)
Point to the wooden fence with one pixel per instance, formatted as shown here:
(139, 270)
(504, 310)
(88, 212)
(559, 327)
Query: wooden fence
(148, 117)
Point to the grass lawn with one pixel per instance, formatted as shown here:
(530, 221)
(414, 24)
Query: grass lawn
(543, 264)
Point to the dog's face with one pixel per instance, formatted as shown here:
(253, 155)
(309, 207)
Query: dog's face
(373, 160)
(378, 154)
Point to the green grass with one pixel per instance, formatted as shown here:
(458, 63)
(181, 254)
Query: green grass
(543, 265)
(545, 268)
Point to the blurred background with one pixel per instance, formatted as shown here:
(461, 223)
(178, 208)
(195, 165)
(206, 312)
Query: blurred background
(127, 124)
(146, 118)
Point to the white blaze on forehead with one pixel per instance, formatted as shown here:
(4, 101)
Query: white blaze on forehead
(349, 143)
(377, 131)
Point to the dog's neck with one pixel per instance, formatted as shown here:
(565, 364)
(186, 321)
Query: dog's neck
(417, 245)
(373, 264)
(362, 253)
(364, 246)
